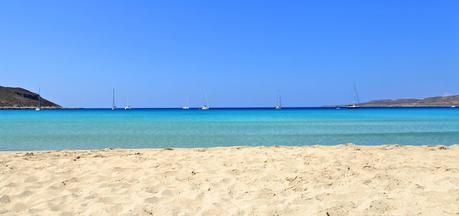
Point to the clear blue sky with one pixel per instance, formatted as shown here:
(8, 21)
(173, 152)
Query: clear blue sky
(239, 53)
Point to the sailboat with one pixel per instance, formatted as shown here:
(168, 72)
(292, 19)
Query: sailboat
(205, 107)
(113, 100)
(187, 106)
(279, 103)
(39, 101)
(356, 103)
(127, 107)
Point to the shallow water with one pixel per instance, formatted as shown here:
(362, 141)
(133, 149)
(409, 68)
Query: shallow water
(143, 128)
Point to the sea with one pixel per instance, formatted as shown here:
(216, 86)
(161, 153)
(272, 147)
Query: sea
(24, 130)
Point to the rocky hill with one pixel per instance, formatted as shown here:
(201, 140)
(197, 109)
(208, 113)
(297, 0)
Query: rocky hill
(430, 101)
(20, 98)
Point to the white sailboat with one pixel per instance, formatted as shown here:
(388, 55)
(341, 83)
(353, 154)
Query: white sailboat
(356, 103)
(206, 106)
(187, 105)
(279, 103)
(39, 101)
(127, 107)
(352, 106)
(113, 100)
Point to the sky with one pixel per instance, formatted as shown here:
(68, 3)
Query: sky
(237, 53)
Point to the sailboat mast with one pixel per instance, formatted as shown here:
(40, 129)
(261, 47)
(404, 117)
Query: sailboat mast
(356, 95)
(206, 105)
(113, 99)
(278, 103)
(39, 98)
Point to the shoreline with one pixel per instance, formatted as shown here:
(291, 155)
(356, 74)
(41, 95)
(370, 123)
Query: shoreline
(382, 147)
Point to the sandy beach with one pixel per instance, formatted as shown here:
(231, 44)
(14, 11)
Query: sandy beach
(314, 180)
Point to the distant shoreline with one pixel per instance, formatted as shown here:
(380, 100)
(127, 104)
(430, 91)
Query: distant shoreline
(228, 108)
(30, 108)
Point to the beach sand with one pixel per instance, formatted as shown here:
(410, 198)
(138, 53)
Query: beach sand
(314, 180)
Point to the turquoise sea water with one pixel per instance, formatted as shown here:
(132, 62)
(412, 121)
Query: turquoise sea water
(143, 128)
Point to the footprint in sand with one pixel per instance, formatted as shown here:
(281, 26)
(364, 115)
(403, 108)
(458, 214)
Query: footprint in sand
(105, 200)
(30, 179)
(151, 200)
(379, 207)
(56, 203)
(19, 207)
(152, 190)
(54, 206)
(25, 194)
(5, 199)
(339, 209)
(114, 209)
(225, 180)
(167, 193)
